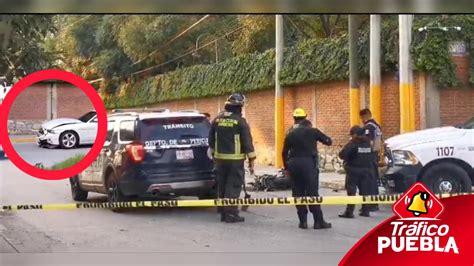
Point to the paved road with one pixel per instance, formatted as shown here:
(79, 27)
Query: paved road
(268, 231)
(33, 154)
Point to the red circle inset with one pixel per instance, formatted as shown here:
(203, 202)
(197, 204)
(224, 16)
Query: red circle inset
(80, 83)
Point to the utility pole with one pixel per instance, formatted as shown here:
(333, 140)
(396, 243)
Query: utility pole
(375, 73)
(410, 77)
(279, 100)
(354, 95)
(406, 86)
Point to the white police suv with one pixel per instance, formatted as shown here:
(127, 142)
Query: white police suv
(442, 158)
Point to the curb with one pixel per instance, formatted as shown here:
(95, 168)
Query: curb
(23, 140)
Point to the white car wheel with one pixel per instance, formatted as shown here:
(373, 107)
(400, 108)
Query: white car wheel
(68, 140)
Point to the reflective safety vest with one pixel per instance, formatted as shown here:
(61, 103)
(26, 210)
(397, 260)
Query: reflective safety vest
(230, 137)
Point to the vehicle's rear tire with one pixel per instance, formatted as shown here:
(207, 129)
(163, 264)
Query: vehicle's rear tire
(78, 194)
(447, 177)
(68, 140)
(113, 192)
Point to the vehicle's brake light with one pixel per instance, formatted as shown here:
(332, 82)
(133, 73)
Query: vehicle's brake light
(136, 151)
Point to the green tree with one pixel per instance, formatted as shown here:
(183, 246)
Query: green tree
(114, 46)
(257, 35)
(88, 46)
(319, 26)
(26, 51)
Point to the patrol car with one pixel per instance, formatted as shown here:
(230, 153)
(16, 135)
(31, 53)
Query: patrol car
(442, 158)
(150, 154)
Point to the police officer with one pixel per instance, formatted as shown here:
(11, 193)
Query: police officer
(299, 116)
(357, 156)
(300, 160)
(374, 132)
(231, 143)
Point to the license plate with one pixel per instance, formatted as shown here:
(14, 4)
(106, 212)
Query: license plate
(184, 154)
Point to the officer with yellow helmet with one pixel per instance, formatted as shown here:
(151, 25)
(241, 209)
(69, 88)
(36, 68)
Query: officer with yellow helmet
(299, 115)
(300, 160)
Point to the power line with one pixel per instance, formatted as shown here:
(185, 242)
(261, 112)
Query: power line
(173, 39)
(189, 52)
(75, 22)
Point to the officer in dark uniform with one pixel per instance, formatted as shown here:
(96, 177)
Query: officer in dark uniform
(231, 143)
(357, 156)
(374, 132)
(299, 118)
(300, 160)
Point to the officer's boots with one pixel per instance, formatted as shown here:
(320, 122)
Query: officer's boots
(322, 225)
(349, 212)
(303, 217)
(319, 222)
(233, 218)
(231, 215)
(346, 214)
(220, 210)
(364, 211)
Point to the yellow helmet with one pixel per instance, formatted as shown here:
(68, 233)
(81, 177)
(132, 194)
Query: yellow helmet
(299, 113)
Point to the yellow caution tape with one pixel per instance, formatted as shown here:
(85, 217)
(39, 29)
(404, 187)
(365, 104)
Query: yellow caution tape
(284, 201)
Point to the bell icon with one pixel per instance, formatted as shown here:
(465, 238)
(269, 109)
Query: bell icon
(418, 203)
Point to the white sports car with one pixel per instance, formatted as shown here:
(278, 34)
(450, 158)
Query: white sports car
(68, 133)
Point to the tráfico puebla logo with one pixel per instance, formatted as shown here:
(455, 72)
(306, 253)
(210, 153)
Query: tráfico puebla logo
(418, 228)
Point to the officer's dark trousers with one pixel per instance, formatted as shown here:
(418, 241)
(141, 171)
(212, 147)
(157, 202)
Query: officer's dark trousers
(374, 181)
(230, 178)
(358, 178)
(305, 182)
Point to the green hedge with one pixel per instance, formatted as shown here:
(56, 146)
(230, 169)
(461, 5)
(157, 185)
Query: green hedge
(309, 61)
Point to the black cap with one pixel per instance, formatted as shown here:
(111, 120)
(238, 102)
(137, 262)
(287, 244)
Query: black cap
(356, 130)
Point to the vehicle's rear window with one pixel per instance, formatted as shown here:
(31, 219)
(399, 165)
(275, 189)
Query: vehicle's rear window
(174, 131)
(110, 130)
(127, 130)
